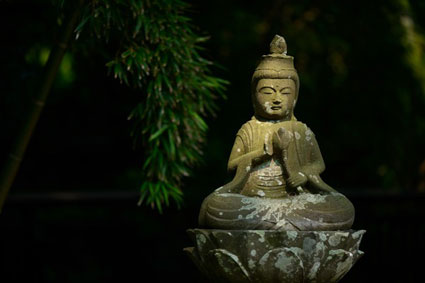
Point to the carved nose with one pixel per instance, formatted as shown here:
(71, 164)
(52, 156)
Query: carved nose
(277, 102)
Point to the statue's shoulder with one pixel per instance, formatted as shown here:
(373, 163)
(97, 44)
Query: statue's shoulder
(249, 126)
(248, 130)
(302, 130)
(300, 126)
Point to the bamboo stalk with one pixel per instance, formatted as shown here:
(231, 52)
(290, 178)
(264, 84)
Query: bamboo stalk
(23, 137)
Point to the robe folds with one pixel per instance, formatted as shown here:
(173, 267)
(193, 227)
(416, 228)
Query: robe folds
(257, 197)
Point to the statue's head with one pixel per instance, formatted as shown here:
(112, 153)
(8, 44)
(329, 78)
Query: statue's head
(275, 84)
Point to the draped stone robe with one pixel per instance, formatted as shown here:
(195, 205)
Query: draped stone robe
(302, 156)
(258, 196)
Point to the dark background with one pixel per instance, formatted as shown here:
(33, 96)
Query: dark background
(72, 214)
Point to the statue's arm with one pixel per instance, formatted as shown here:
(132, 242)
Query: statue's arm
(315, 167)
(240, 156)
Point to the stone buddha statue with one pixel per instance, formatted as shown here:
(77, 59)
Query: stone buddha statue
(277, 185)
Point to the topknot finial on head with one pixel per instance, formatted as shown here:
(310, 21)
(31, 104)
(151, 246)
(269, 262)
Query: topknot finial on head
(278, 45)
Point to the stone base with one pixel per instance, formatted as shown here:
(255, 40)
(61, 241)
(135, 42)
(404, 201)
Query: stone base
(274, 256)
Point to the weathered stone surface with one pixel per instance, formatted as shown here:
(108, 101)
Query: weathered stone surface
(304, 211)
(278, 220)
(274, 256)
(277, 185)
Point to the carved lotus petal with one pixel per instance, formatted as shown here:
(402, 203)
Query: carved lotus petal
(282, 264)
(228, 266)
(337, 264)
(274, 256)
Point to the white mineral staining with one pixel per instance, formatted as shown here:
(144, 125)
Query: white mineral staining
(261, 235)
(277, 209)
(224, 265)
(313, 271)
(300, 189)
(221, 213)
(266, 143)
(264, 259)
(335, 239)
(284, 263)
(247, 168)
(253, 252)
(268, 107)
(322, 236)
(283, 224)
(201, 239)
(320, 248)
(308, 135)
(357, 234)
(317, 252)
(290, 134)
(261, 193)
(314, 177)
(297, 135)
(296, 251)
(238, 150)
(219, 189)
(251, 264)
(292, 234)
(252, 243)
(240, 216)
(302, 174)
(269, 174)
(342, 266)
(287, 263)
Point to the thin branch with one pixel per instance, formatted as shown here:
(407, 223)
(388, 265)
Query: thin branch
(16, 155)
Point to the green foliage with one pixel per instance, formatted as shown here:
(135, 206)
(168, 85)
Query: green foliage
(159, 55)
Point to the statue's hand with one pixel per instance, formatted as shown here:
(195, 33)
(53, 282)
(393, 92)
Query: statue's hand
(268, 145)
(296, 180)
(281, 139)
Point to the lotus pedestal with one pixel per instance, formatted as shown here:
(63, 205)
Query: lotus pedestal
(274, 256)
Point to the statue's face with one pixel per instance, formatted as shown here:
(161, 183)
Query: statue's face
(274, 98)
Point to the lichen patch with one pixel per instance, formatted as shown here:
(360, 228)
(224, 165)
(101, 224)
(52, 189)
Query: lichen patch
(292, 234)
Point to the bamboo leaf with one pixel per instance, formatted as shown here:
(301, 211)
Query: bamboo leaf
(160, 55)
(158, 133)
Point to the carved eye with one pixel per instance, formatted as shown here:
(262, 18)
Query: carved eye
(285, 91)
(266, 90)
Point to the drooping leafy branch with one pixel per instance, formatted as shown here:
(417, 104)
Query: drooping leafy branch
(159, 55)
